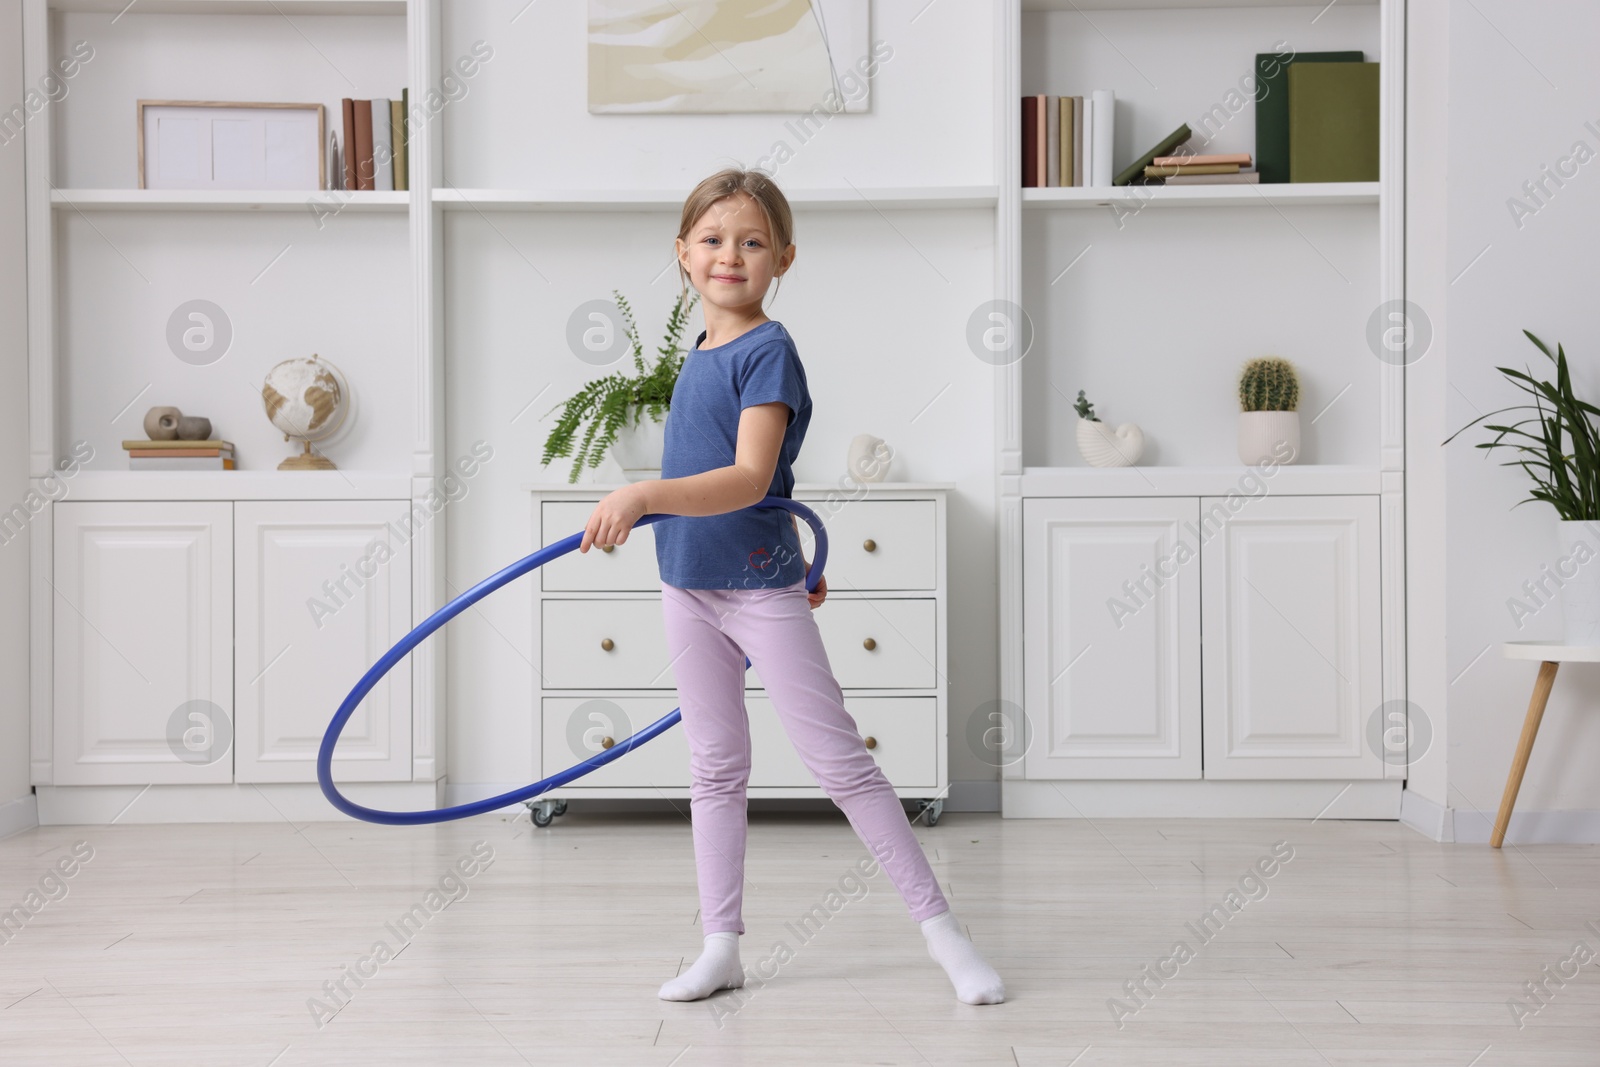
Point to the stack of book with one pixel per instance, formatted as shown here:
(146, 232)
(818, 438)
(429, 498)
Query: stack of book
(179, 455)
(1066, 140)
(373, 152)
(1230, 169)
(1317, 117)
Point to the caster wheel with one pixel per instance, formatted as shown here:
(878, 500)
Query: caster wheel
(931, 809)
(541, 816)
(561, 807)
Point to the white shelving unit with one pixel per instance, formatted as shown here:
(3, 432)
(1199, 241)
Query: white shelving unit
(235, 7)
(1152, 314)
(223, 564)
(1310, 193)
(215, 200)
(864, 199)
(369, 292)
(1110, 304)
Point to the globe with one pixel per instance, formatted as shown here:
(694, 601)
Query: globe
(307, 399)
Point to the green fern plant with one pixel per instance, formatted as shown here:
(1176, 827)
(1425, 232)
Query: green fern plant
(605, 403)
(1269, 384)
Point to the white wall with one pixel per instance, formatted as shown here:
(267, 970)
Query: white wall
(877, 303)
(1521, 86)
(16, 795)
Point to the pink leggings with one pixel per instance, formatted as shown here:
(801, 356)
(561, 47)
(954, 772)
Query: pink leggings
(709, 633)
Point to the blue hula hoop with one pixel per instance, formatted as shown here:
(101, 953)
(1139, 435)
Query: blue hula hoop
(404, 646)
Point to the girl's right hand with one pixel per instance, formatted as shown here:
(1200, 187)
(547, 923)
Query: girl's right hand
(614, 516)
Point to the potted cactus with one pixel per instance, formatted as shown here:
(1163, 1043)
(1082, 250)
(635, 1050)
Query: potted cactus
(1100, 444)
(1269, 396)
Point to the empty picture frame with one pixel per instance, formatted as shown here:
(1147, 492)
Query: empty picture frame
(201, 144)
(720, 56)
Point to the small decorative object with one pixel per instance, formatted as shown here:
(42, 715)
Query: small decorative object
(194, 428)
(606, 404)
(161, 424)
(869, 458)
(1100, 444)
(1269, 394)
(1562, 456)
(197, 144)
(307, 399)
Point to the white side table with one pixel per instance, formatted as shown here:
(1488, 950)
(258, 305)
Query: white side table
(1549, 656)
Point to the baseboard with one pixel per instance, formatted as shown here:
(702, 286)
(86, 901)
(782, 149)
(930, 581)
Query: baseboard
(1376, 798)
(19, 815)
(100, 805)
(1427, 817)
(1470, 827)
(1465, 826)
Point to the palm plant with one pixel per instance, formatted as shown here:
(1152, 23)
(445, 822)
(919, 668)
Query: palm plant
(1562, 455)
(604, 403)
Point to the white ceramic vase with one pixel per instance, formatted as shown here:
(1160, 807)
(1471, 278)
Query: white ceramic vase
(1262, 432)
(1103, 446)
(639, 446)
(1580, 594)
(868, 458)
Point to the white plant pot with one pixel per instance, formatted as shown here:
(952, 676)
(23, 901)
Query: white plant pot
(1580, 594)
(1104, 447)
(1262, 435)
(639, 447)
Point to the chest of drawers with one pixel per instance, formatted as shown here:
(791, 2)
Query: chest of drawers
(603, 673)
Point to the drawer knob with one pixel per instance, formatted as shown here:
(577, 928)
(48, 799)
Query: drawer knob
(607, 644)
(607, 548)
(869, 644)
(869, 544)
(606, 742)
(872, 742)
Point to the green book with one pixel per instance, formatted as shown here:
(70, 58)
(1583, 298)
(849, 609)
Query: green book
(1272, 107)
(1164, 148)
(1333, 122)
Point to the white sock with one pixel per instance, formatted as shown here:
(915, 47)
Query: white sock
(976, 982)
(717, 968)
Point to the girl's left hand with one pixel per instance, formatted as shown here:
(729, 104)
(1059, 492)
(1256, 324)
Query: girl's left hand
(614, 516)
(820, 593)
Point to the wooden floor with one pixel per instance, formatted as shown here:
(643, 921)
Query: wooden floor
(207, 944)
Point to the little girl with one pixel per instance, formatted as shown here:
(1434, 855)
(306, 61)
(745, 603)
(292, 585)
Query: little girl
(733, 584)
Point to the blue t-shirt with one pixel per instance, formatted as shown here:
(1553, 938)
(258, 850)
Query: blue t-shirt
(753, 548)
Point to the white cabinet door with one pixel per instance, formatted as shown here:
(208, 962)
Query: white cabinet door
(143, 609)
(324, 590)
(1111, 610)
(1292, 637)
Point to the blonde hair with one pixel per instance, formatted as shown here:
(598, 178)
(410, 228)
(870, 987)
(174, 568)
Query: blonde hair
(730, 182)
